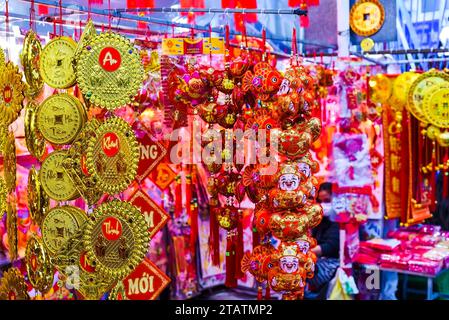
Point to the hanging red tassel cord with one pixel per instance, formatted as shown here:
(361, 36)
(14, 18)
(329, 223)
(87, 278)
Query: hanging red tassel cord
(187, 4)
(445, 175)
(231, 280)
(239, 250)
(178, 196)
(214, 234)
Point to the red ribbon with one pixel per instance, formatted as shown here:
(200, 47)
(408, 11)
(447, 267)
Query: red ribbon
(214, 236)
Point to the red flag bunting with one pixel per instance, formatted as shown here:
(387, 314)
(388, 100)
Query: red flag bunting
(42, 9)
(139, 3)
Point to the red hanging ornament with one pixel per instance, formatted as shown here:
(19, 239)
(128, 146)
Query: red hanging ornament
(42, 9)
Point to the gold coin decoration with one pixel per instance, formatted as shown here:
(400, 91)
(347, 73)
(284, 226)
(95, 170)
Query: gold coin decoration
(88, 33)
(59, 225)
(55, 63)
(3, 196)
(60, 118)
(401, 86)
(33, 138)
(11, 226)
(13, 286)
(436, 105)
(30, 61)
(9, 163)
(366, 17)
(11, 93)
(116, 238)
(382, 88)
(39, 267)
(54, 180)
(38, 201)
(418, 89)
(109, 71)
(113, 155)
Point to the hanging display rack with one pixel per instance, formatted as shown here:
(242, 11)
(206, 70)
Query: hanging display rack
(299, 12)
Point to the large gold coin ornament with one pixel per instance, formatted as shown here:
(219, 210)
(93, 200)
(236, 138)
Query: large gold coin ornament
(401, 86)
(109, 71)
(367, 17)
(13, 286)
(60, 118)
(3, 197)
(55, 63)
(54, 180)
(30, 61)
(39, 267)
(418, 89)
(116, 238)
(9, 163)
(38, 201)
(34, 141)
(113, 155)
(59, 225)
(11, 93)
(11, 226)
(436, 105)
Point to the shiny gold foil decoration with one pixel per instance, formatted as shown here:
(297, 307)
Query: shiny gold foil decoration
(13, 286)
(435, 106)
(2, 59)
(88, 33)
(39, 267)
(11, 227)
(33, 138)
(30, 61)
(11, 93)
(55, 63)
(60, 118)
(116, 238)
(113, 156)
(54, 180)
(3, 197)
(59, 225)
(38, 201)
(109, 71)
(9, 163)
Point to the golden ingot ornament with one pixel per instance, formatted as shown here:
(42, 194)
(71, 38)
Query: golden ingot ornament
(109, 71)
(3, 196)
(9, 162)
(55, 63)
(11, 93)
(60, 118)
(13, 286)
(11, 227)
(30, 61)
(116, 238)
(38, 201)
(33, 138)
(113, 156)
(59, 225)
(54, 180)
(436, 105)
(72, 255)
(417, 92)
(39, 267)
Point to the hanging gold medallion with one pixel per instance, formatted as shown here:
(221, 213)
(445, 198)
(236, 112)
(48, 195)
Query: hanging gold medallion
(3, 196)
(401, 86)
(76, 166)
(30, 61)
(88, 33)
(59, 225)
(39, 267)
(38, 201)
(9, 162)
(34, 141)
(91, 284)
(367, 17)
(116, 238)
(113, 156)
(11, 93)
(381, 87)
(54, 180)
(13, 286)
(435, 106)
(11, 226)
(109, 71)
(55, 63)
(416, 93)
(60, 118)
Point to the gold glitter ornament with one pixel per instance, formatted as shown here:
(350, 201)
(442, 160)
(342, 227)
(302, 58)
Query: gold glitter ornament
(113, 156)
(11, 226)
(29, 58)
(54, 180)
(109, 71)
(39, 267)
(60, 118)
(38, 201)
(116, 238)
(33, 138)
(9, 162)
(3, 197)
(11, 93)
(55, 63)
(13, 286)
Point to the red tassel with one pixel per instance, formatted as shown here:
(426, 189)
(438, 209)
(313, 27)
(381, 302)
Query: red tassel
(445, 177)
(259, 293)
(231, 280)
(214, 236)
(178, 196)
(304, 21)
(267, 293)
(239, 251)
